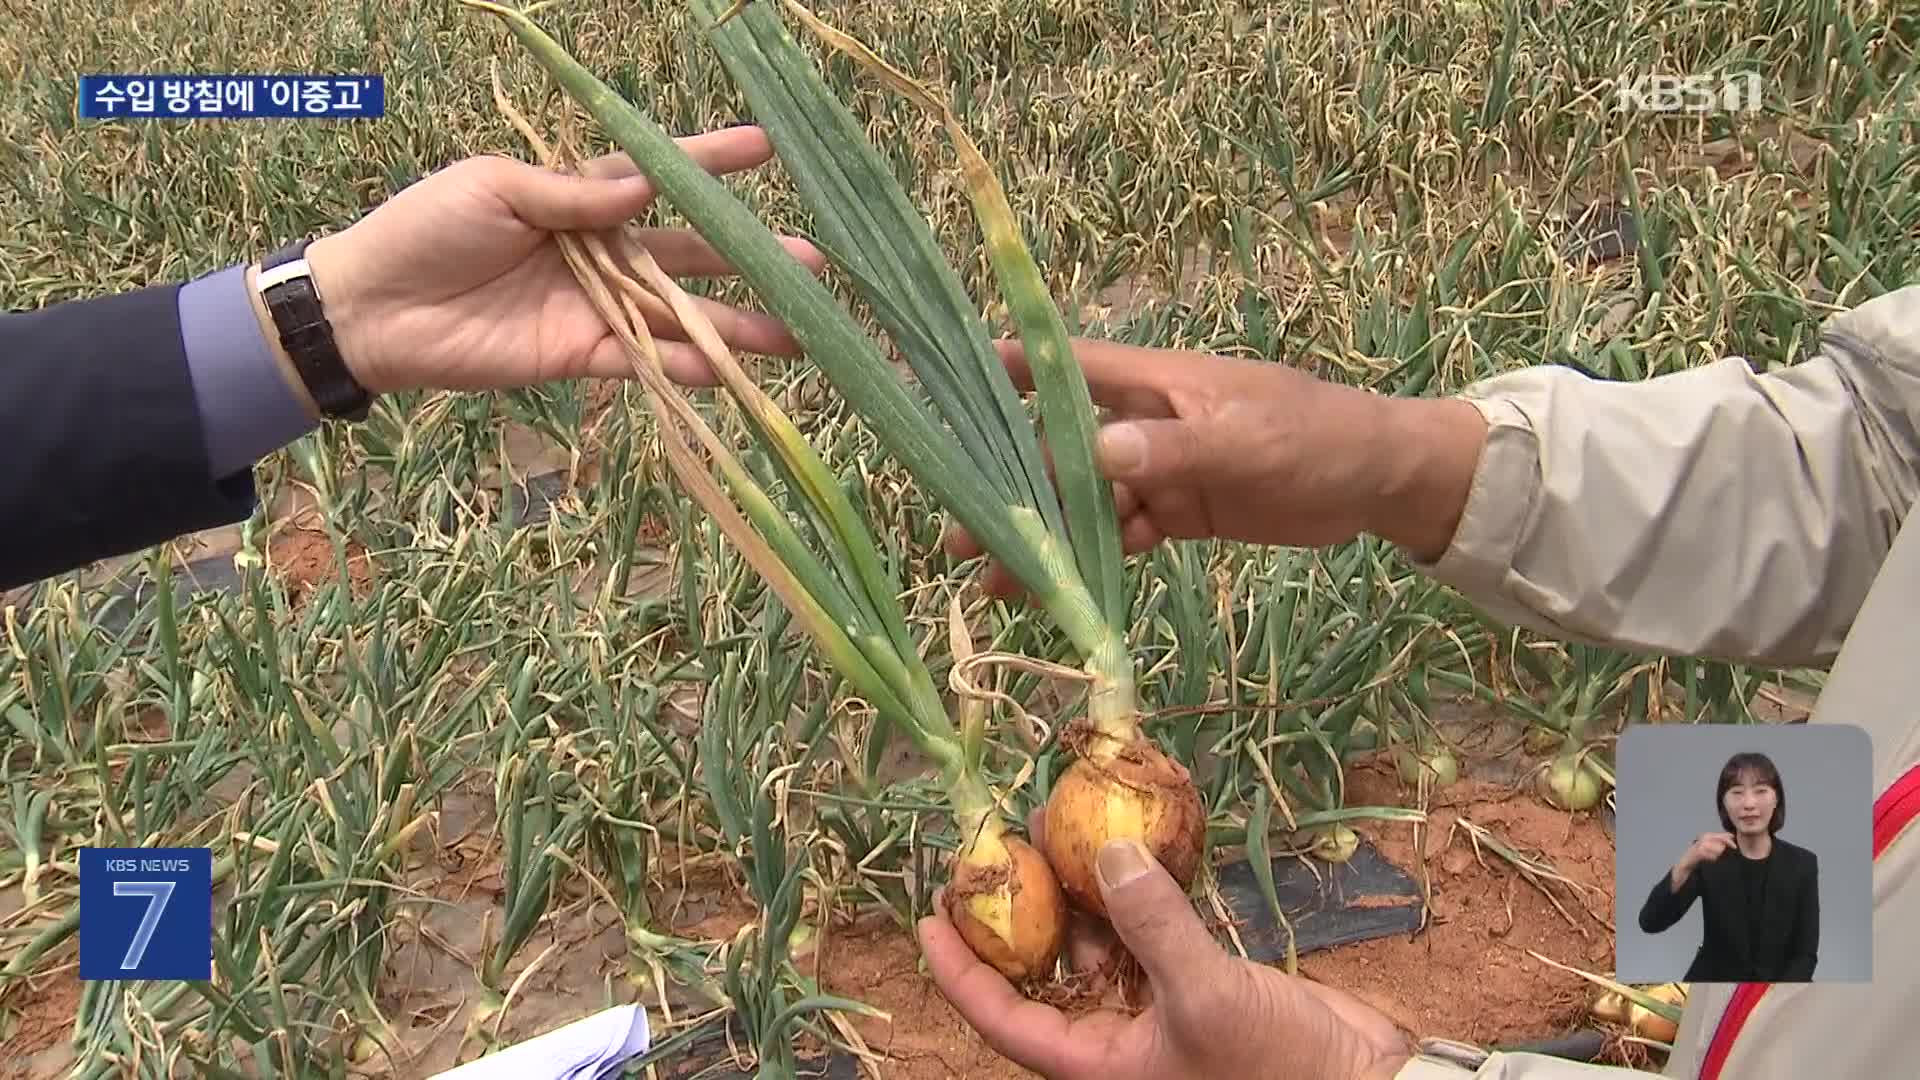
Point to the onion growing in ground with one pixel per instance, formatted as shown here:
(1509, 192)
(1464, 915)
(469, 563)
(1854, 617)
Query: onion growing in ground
(1438, 763)
(1542, 740)
(1569, 783)
(1331, 842)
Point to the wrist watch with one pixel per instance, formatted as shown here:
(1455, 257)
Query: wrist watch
(286, 286)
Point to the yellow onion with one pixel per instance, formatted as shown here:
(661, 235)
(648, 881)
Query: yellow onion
(1438, 763)
(1651, 1025)
(1336, 843)
(1569, 785)
(1135, 792)
(1614, 1007)
(1008, 908)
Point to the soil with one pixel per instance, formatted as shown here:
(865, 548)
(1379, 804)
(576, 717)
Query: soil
(1468, 975)
(43, 1017)
(303, 558)
(878, 962)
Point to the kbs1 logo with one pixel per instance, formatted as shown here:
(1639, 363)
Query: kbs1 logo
(1739, 93)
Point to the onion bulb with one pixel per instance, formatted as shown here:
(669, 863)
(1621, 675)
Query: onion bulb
(1438, 763)
(1614, 1008)
(1336, 843)
(1136, 791)
(1610, 1006)
(1569, 785)
(1006, 904)
(1651, 1025)
(363, 1050)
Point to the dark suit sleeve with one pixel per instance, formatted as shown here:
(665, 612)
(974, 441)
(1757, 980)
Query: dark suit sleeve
(1664, 907)
(105, 454)
(1805, 952)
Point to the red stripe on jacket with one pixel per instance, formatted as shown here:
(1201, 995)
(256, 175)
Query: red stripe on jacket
(1893, 811)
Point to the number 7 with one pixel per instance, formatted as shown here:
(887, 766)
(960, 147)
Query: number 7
(152, 890)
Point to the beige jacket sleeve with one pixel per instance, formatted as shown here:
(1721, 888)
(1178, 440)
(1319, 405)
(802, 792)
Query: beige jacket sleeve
(1440, 1059)
(1711, 512)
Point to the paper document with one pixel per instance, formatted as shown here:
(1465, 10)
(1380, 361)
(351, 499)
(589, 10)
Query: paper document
(589, 1049)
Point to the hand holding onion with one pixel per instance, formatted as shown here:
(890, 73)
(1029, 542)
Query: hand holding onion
(1128, 804)
(1203, 446)
(1211, 1014)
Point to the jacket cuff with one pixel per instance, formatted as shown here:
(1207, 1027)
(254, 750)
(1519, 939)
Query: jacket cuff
(112, 437)
(1442, 1059)
(1421, 1067)
(1499, 502)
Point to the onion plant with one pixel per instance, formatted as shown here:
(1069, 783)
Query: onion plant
(741, 743)
(1592, 682)
(970, 443)
(815, 554)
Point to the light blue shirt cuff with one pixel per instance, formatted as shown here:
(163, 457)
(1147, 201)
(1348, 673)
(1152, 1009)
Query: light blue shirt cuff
(247, 410)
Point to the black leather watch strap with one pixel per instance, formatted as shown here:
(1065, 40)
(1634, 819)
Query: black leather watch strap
(286, 286)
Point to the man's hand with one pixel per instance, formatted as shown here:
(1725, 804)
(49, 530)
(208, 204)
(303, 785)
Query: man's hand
(457, 283)
(1199, 445)
(1211, 1014)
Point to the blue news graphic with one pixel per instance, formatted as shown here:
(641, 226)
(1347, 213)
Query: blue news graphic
(231, 97)
(146, 913)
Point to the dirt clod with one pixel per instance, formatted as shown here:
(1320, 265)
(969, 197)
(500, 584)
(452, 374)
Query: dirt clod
(304, 558)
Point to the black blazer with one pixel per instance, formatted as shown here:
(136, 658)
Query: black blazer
(1789, 943)
(101, 451)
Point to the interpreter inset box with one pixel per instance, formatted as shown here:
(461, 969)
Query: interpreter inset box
(1744, 853)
